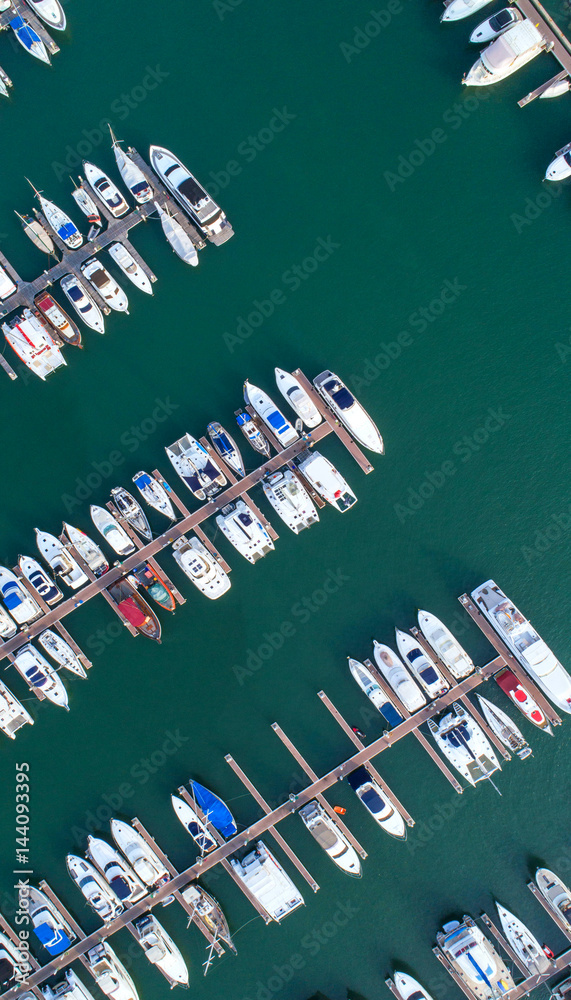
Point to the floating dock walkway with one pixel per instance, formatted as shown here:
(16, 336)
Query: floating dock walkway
(21, 8)
(556, 43)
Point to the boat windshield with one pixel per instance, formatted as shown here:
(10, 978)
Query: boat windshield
(429, 675)
(372, 800)
(340, 395)
(501, 19)
(277, 420)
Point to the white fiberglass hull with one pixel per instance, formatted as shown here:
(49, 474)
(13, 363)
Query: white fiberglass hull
(19, 603)
(130, 268)
(60, 560)
(244, 531)
(297, 397)
(269, 413)
(394, 672)
(523, 942)
(41, 676)
(445, 645)
(111, 531)
(143, 860)
(201, 567)
(179, 240)
(290, 500)
(51, 12)
(423, 669)
(349, 411)
(154, 494)
(61, 652)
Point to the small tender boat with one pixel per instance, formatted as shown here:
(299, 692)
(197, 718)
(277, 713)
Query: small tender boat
(154, 494)
(105, 284)
(161, 950)
(135, 609)
(179, 240)
(464, 744)
(59, 221)
(105, 189)
(8, 627)
(214, 810)
(60, 560)
(445, 645)
(496, 25)
(191, 195)
(18, 601)
(423, 669)
(474, 959)
(244, 531)
(330, 838)
(81, 300)
(326, 480)
(37, 234)
(392, 669)
(349, 411)
(117, 873)
(109, 973)
(29, 39)
(252, 433)
(61, 652)
(265, 878)
(409, 988)
(13, 715)
(86, 204)
(377, 804)
(523, 942)
(87, 549)
(41, 582)
(130, 268)
(556, 894)
(144, 576)
(111, 530)
(131, 511)
(132, 175)
(364, 678)
(29, 336)
(201, 567)
(210, 913)
(517, 46)
(268, 412)
(504, 728)
(299, 400)
(64, 327)
(50, 927)
(290, 500)
(13, 965)
(40, 675)
(556, 90)
(50, 11)
(143, 860)
(196, 467)
(522, 699)
(99, 895)
(455, 10)
(193, 825)
(225, 446)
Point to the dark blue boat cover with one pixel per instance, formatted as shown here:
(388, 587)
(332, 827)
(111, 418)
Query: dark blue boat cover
(214, 809)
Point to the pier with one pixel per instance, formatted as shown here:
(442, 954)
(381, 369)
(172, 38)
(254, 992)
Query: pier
(29, 15)
(556, 43)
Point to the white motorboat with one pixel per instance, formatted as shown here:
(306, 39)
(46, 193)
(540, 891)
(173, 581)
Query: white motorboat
(556, 894)
(210, 913)
(270, 415)
(409, 988)
(521, 698)
(244, 531)
(7, 286)
(125, 884)
(393, 670)
(109, 973)
(143, 860)
(333, 841)
(196, 467)
(464, 744)
(445, 645)
(290, 500)
(523, 942)
(32, 341)
(61, 652)
(105, 284)
(41, 582)
(265, 878)
(41, 676)
(107, 192)
(369, 686)
(423, 669)
(154, 494)
(131, 511)
(99, 895)
(14, 964)
(70, 988)
(13, 715)
(191, 195)
(225, 446)
(504, 728)
(133, 176)
(83, 303)
(201, 567)
(324, 478)
(455, 10)
(253, 434)
(59, 221)
(349, 411)
(557, 89)
(161, 950)
(177, 236)
(193, 825)
(87, 549)
(18, 601)
(474, 959)
(8, 626)
(560, 167)
(50, 927)
(130, 268)
(376, 803)
(86, 204)
(505, 55)
(111, 530)
(299, 400)
(527, 646)
(60, 559)
(29, 38)
(50, 11)
(495, 25)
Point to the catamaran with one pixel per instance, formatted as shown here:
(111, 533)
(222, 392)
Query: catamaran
(393, 670)
(324, 478)
(244, 531)
(87, 549)
(465, 745)
(133, 176)
(349, 411)
(133, 513)
(297, 397)
(130, 268)
(41, 582)
(191, 195)
(474, 959)
(105, 189)
(111, 530)
(504, 728)
(30, 338)
(201, 567)
(177, 236)
(18, 601)
(290, 500)
(269, 413)
(60, 559)
(196, 467)
(423, 669)
(374, 692)
(126, 885)
(154, 494)
(98, 893)
(41, 676)
(61, 652)
(328, 835)
(445, 645)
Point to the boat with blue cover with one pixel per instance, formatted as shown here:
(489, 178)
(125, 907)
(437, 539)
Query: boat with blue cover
(226, 447)
(29, 39)
(273, 417)
(215, 810)
(154, 494)
(49, 926)
(59, 221)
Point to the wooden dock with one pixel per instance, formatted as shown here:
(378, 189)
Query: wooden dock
(555, 42)
(505, 945)
(336, 427)
(21, 8)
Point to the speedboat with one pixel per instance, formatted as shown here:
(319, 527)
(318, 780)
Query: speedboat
(41, 582)
(191, 195)
(105, 189)
(464, 744)
(61, 652)
(41, 676)
(105, 284)
(252, 433)
(18, 601)
(270, 415)
(193, 825)
(324, 478)
(64, 327)
(59, 221)
(349, 411)
(423, 669)
(392, 669)
(86, 204)
(60, 560)
(99, 895)
(135, 609)
(49, 925)
(29, 39)
(83, 303)
(560, 166)
(333, 841)
(455, 10)
(111, 530)
(504, 728)
(144, 576)
(445, 645)
(130, 268)
(87, 549)
(523, 942)
(555, 893)
(143, 860)
(109, 973)
(13, 715)
(70, 988)
(37, 234)
(210, 913)
(244, 531)
(215, 811)
(225, 446)
(474, 959)
(495, 25)
(409, 988)
(201, 567)
(161, 950)
(196, 467)
(14, 966)
(527, 646)
(522, 699)
(51, 12)
(8, 626)
(133, 176)
(131, 511)
(265, 878)
(117, 873)
(290, 500)
(299, 400)
(154, 494)
(177, 236)
(7, 286)
(30, 338)
(375, 801)
(364, 678)
(505, 55)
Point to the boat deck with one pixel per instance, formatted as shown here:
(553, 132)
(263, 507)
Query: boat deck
(21, 8)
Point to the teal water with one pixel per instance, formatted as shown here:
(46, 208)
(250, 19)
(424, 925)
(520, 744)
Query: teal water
(458, 223)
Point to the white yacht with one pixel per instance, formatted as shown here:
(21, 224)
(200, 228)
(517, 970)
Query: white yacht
(143, 860)
(111, 530)
(81, 300)
(8, 626)
(41, 582)
(376, 803)
(393, 670)
(226, 447)
(517, 46)
(19, 603)
(445, 645)
(117, 873)
(297, 397)
(265, 878)
(196, 467)
(132, 511)
(523, 942)
(130, 268)
(13, 715)
(86, 204)
(177, 236)
(41, 676)
(7, 286)
(161, 950)
(59, 222)
(154, 494)
(31, 340)
(60, 560)
(191, 195)
(504, 728)
(210, 912)
(71, 988)
(374, 691)
(349, 411)
(474, 959)
(270, 415)
(333, 841)
(290, 500)
(527, 646)
(455, 10)
(464, 744)
(87, 549)
(133, 176)
(495, 25)
(423, 669)
(560, 166)
(244, 531)
(51, 12)
(105, 189)
(555, 893)
(201, 567)
(61, 652)
(99, 895)
(324, 478)
(193, 825)
(105, 284)
(14, 965)
(409, 988)
(109, 973)
(50, 926)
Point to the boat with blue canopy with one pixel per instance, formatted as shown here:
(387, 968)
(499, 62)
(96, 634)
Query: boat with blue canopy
(50, 927)
(29, 39)
(215, 810)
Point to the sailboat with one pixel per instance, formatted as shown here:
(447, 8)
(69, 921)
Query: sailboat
(132, 175)
(5, 82)
(178, 239)
(214, 809)
(85, 203)
(29, 39)
(37, 234)
(59, 221)
(210, 913)
(523, 942)
(504, 728)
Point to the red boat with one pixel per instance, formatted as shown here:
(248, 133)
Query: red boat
(58, 320)
(135, 609)
(522, 699)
